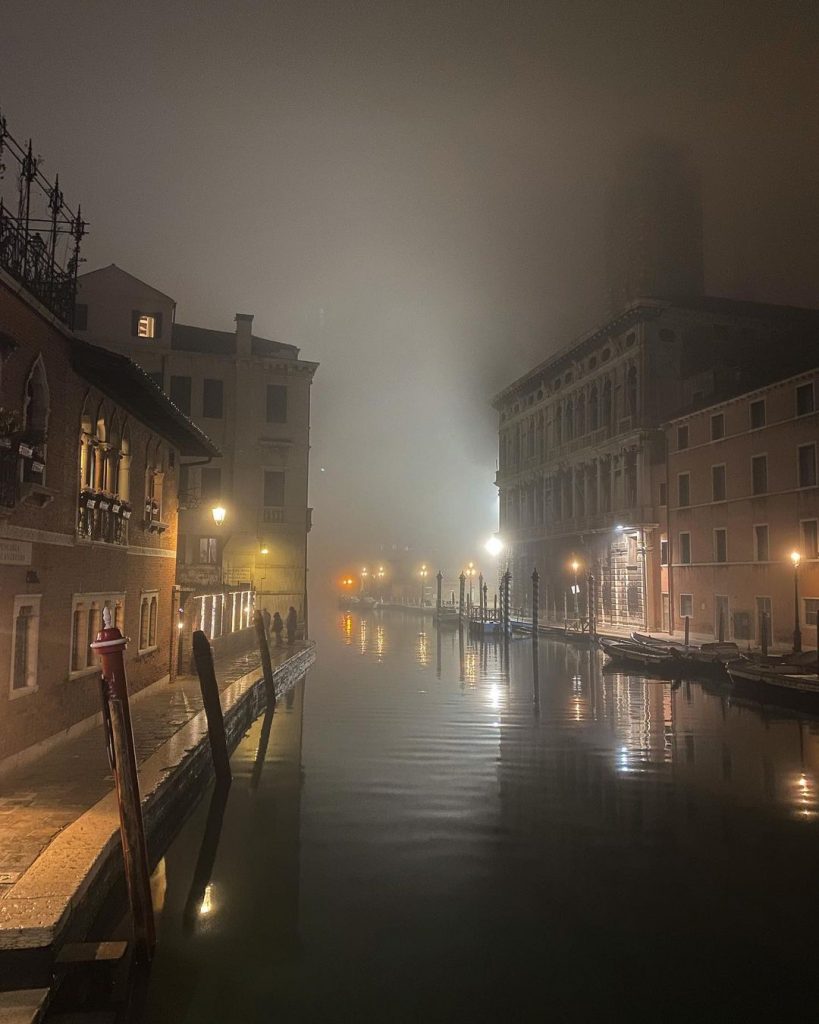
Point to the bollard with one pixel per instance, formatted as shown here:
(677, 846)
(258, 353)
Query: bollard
(264, 651)
(462, 581)
(535, 601)
(110, 645)
(687, 624)
(203, 659)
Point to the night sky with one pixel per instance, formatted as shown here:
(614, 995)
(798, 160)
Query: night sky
(414, 194)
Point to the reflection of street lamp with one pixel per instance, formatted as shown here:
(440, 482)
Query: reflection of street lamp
(576, 589)
(796, 558)
(423, 574)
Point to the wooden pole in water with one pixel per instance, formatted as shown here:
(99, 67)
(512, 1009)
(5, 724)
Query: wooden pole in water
(592, 606)
(267, 667)
(110, 645)
(461, 581)
(203, 659)
(485, 601)
(535, 601)
(480, 596)
(687, 624)
(439, 579)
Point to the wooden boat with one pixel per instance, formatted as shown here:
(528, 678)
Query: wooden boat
(447, 615)
(626, 651)
(775, 680)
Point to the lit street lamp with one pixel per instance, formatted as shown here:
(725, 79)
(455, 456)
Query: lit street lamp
(470, 572)
(363, 579)
(423, 574)
(218, 514)
(576, 589)
(796, 558)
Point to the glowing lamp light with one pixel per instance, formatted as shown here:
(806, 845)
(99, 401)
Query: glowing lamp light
(264, 551)
(494, 546)
(218, 514)
(796, 558)
(575, 565)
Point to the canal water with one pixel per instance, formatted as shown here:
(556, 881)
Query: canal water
(429, 830)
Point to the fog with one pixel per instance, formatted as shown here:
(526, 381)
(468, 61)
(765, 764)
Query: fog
(414, 194)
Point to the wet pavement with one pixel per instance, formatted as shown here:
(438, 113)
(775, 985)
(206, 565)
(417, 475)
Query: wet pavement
(429, 830)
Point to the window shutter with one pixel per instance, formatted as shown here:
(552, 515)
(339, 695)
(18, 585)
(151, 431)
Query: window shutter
(157, 325)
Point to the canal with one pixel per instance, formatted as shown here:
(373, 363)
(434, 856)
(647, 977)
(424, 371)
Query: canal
(428, 831)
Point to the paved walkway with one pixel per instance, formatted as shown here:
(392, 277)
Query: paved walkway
(40, 799)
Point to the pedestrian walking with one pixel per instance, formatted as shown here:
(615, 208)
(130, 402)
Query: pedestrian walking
(292, 622)
(278, 626)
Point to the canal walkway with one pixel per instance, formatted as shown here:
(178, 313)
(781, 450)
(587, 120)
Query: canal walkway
(58, 815)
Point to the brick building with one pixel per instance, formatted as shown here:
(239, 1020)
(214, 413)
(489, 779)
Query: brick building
(742, 496)
(252, 396)
(89, 470)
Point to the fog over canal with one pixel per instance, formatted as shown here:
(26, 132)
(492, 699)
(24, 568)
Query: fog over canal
(436, 835)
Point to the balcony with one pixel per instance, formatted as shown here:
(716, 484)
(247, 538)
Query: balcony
(22, 470)
(273, 514)
(103, 517)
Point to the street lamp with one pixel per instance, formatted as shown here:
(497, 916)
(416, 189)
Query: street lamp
(380, 575)
(218, 514)
(796, 558)
(494, 546)
(470, 572)
(576, 589)
(423, 574)
(363, 579)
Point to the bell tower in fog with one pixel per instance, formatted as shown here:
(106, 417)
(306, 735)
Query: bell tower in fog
(654, 225)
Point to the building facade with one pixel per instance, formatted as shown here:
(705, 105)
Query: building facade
(582, 450)
(89, 470)
(252, 396)
(742, 497)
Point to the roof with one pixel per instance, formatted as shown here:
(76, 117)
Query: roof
(186, 338)
(792, 317)
(132, 389)
(112, 267)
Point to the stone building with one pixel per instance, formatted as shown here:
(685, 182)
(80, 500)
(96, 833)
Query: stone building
(742, 497)
(89, 469)
(582, 459)
(252, 396)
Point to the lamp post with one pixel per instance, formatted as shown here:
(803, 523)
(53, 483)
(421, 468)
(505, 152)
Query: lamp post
(796, 558)
(380, 577)
(470, 573)
(576, 589)
(363, 579)
(423, 574)
(219, 512)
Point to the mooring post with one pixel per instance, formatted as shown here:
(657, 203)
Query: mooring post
(495, 606)
(507, 577)
(439, 579)
(485, 601)
(687, 624)
(110, 645)
(461, 582)
(203, 659)
(535, 601)
(592, 606)
(264, 651)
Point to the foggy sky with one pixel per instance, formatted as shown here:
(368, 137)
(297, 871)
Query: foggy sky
(412, 193)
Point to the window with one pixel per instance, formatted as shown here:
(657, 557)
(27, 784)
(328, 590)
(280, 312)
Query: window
(804, 399)
(682, 437)
(757, 411)
(685, 549)
(208, 551)
(81, 316)
(148, 607)
(810, 538)
(24, 643)
(721, 545)
(684, 489)
(663, 552)
(717, 426)
(759, 474)
(718, 483)
(210, 484)
(158, 377)
(761, 548)
(273, 487)
(663, 493)
(213, 399)
(86, 622)
(686, 605)
(811, 609)
(807, 465)
(181, 393)
(146, 325)
(276, 403)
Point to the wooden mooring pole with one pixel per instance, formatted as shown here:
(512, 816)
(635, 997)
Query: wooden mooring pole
(687, 625)
(203, 659)
(535, 601)
(110, 645)
(439, 579)
(264, 651)
(461, 582)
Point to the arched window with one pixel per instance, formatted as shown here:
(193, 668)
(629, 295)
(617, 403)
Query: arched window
(36, 406)
(594, 409)
(568, 420)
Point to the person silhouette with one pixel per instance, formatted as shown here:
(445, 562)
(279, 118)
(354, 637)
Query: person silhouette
(291, 623)
(278, 626)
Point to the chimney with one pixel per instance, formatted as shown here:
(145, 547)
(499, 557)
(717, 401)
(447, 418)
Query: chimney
(244, 332)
